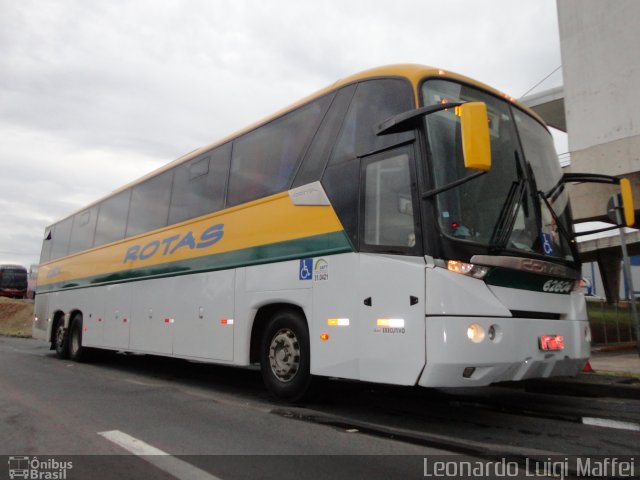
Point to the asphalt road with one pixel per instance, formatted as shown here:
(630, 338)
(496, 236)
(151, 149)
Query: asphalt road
(189, 420)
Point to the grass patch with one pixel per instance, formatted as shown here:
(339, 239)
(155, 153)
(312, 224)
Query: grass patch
(611, 324)
(600, 313)
(15, 317)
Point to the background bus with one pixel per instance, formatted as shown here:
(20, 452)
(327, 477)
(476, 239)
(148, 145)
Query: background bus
(361, 233)
(13, 281)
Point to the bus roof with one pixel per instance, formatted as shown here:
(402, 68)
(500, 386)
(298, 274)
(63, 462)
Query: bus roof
(12, 267)
(413, 72)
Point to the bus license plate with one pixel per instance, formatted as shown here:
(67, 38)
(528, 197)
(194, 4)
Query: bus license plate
(551, 342)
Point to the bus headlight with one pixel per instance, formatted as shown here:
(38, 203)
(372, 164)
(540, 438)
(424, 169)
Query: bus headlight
(469, 269)
(475, 333)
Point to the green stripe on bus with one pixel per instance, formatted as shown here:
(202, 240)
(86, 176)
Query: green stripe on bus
(325, 244)
(505, 277)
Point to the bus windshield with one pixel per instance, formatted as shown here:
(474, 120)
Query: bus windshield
(520, 206)
(11, 277)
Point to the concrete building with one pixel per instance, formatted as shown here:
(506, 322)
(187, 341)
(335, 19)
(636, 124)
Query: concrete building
(599, 42)
(599, 108)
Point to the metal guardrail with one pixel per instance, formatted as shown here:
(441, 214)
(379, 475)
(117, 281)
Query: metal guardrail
(610, 324)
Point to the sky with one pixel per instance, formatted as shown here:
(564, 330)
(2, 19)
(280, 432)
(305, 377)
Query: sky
(96, 94)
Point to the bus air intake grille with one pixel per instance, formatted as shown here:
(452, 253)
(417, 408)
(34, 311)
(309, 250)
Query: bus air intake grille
(539, 315)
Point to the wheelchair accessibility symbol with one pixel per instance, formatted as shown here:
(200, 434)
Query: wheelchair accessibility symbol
(547, 243)
(306, 269)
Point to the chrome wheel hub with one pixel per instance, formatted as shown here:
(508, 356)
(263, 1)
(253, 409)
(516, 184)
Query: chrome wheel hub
(284, 355)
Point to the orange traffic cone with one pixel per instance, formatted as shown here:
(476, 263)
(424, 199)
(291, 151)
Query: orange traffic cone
(587, 367)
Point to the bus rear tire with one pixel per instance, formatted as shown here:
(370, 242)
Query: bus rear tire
(77, 352)
(285, 356)
(61, 340)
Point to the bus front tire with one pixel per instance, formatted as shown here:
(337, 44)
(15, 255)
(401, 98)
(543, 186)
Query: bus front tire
(285, 356)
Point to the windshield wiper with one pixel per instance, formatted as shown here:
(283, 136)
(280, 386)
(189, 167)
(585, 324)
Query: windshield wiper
(509, 212)
(567, 235)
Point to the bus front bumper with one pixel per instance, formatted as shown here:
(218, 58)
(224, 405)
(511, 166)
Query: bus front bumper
(513, 353)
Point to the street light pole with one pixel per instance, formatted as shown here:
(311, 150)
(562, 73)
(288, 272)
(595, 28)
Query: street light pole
(627, 270)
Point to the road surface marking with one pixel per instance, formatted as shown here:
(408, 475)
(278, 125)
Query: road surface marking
(172, 465)
(603, 422)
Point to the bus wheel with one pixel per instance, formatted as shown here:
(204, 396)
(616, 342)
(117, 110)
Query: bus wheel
(284, 357)
(77, 352)
(61, 340)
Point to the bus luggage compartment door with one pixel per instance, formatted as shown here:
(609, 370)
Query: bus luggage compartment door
(392, 323)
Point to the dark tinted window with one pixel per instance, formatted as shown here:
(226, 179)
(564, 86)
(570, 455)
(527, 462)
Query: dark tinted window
(60, 236)
(84, 226)
(198, 185)
(47, 244)
(150, 204)
(317, 156)
(373, 102)
(112, 218)
(341, 183)
(264, 160)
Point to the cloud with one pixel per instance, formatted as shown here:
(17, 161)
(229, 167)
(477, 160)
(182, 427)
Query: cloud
(95, 94)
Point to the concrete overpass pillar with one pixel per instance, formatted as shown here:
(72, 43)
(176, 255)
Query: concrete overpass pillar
(610, 268)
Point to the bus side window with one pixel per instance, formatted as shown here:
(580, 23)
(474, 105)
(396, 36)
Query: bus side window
(84, 225)
(388, 202)
(264, 160)
(112, 218)
(198, 185)
(60, 236)
(315, 161)
(47, 244)
(374, 101)
(150, 204)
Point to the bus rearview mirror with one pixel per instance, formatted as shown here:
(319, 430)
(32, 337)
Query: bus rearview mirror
(476, 147)
(627, 202)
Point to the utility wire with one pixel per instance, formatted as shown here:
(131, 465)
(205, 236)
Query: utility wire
(537, 84)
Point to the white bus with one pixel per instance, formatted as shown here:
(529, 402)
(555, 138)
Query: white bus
(405, 225)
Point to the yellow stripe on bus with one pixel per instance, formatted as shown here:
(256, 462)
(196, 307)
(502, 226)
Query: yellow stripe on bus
(262, 222)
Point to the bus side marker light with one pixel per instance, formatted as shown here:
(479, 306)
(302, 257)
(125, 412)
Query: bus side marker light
(390, 322)
(324, 336)
(339, 322)
(226, 321)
